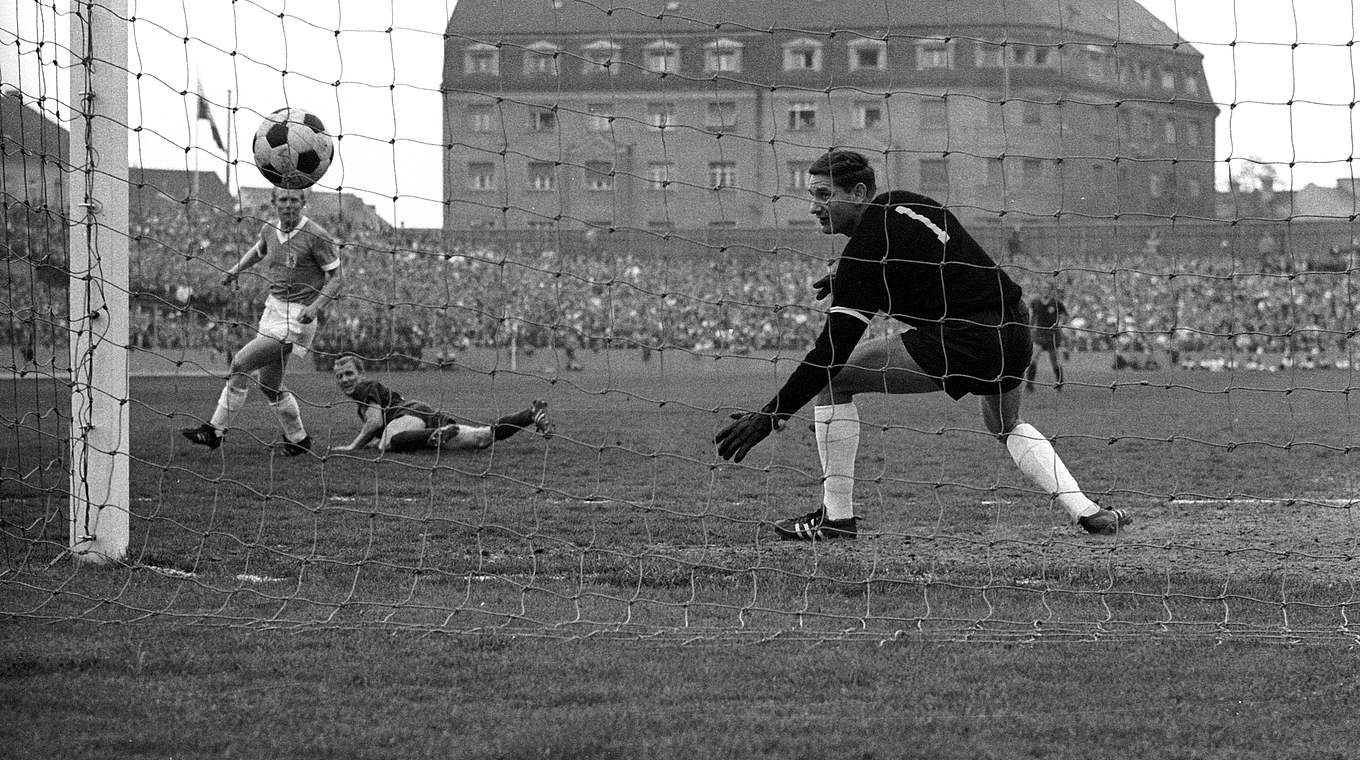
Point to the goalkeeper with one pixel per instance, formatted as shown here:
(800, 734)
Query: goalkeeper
(401, 424)
(968, 333)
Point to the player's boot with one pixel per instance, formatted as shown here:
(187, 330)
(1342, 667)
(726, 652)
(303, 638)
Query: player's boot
(443, 434)
(814, 526)
(1106, 522)
(203, 435)
(292, 449)
(542, 424)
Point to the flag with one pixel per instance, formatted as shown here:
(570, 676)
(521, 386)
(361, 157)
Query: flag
(205, 114)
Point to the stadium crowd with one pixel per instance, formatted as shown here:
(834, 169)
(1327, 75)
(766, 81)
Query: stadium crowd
(409, 301)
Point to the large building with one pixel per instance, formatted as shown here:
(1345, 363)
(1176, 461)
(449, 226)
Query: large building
(660, 114)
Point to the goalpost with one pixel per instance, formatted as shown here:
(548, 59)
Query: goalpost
(98, 261)
(607, 208)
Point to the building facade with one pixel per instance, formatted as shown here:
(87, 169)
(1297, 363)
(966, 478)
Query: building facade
(685, 114)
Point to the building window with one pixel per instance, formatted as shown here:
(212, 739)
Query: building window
(868, 114)
(802, 116)
(599, 117)
(722, 55)
(871, 55)
(482, 59)
(1029, 55)
(1168, 79)
(661, 57)
(660, 175)
(798, 176)
(934, 54)
(934, 114)
(722, 116)
(1156, 185)
(987, 55)
(542, 119)
(481, 176)
(1191, 84)
(480, 119)
(541, 58)
(934, 175)
(599, 175)
(1193, 134)
(542, 176)
(660, 115)
(722, 174)
(1030, 114)
(1193, 188)
(803, 55)
(600, 58)
(540, 225)
(1032, 171)
(1143, 73)
(1169, 130)
(1097, 62)
(1145, 127)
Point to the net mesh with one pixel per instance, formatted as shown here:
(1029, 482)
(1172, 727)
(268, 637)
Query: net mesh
(604, 207)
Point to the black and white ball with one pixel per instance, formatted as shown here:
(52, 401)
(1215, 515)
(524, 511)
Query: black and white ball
(292, 148)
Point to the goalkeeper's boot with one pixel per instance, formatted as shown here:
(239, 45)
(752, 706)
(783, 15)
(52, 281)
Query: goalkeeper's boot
(1106, 522)
(295, 448)
(814, 526)
(203, 435)
(539, 411)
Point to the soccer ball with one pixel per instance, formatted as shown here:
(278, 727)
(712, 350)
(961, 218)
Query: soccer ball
(292, 148)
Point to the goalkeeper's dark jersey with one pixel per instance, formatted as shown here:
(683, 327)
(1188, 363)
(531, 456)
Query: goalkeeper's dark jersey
(912, 260)
(373, 393)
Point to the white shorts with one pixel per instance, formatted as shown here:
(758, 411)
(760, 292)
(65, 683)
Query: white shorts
(281, 322)
(467, 437)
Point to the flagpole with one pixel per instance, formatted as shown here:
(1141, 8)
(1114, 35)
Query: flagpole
(227, 151)
(193, 177)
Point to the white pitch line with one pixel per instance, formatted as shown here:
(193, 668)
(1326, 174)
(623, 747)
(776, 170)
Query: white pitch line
(247, 577)
(1249, 502)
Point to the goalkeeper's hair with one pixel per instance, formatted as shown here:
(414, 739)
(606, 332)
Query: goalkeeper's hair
(350, 358)
(846, 168)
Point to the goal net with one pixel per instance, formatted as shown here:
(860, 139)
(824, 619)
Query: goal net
(599, 212)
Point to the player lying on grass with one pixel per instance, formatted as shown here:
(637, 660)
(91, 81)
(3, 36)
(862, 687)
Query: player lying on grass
(400, 424)
(967, 333)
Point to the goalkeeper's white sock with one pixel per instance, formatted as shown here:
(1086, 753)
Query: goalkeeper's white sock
(1035, 457)
(286, 409)
(230, 400)
(837, 432)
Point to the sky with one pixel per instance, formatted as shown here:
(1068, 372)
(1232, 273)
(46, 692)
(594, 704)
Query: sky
(1283, 70)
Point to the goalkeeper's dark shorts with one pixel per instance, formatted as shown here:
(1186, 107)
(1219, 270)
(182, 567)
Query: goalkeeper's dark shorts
(984, 353)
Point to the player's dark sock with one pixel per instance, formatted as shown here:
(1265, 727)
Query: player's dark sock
(410, 440)
(512, 423)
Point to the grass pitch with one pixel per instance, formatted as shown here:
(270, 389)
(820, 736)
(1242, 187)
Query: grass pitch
(614, 592)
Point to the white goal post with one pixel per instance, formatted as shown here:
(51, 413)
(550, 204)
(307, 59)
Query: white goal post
(98, 298)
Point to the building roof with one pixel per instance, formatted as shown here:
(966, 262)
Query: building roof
(1079, 20)
(176, 185)
(27, 129)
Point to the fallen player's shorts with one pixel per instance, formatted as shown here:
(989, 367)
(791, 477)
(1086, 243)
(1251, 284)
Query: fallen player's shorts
(984, 353)
(281, 321)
